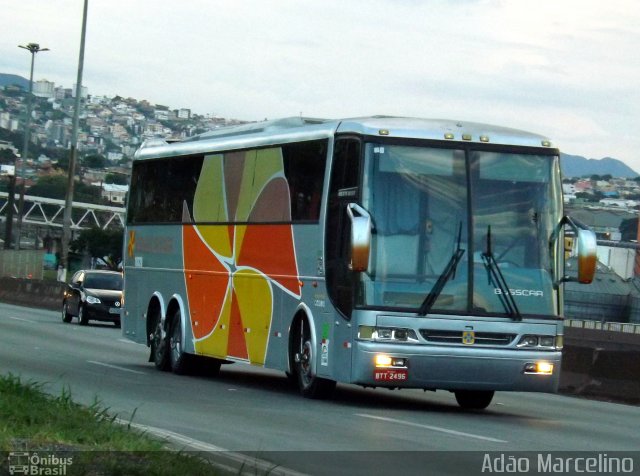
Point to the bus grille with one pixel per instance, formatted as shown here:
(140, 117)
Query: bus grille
(455, 337)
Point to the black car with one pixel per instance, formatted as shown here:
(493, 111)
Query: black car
(93, 295)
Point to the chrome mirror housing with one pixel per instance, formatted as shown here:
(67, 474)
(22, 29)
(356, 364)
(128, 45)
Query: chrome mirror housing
(360, 237)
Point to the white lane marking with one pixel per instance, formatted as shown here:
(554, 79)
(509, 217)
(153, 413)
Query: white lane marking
(21, 319)
(127, 341)
(239, 460)
(116, 367)
(433, 428)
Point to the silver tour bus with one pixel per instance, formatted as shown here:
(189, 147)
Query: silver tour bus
(380, 251)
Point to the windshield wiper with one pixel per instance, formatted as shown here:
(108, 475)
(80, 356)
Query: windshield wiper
(448, 273)
(497, 279)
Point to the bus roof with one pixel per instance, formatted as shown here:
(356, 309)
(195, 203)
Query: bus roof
(295, 129)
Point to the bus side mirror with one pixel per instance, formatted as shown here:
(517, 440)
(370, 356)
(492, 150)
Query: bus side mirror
(583, 245)
(586, 249)
(360, 237)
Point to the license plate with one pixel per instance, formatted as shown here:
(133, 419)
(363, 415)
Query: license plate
(114, 310)
(389, 375)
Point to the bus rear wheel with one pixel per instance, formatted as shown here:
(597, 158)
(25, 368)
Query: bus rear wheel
(310, 385)
(474, 399)
(179, 360)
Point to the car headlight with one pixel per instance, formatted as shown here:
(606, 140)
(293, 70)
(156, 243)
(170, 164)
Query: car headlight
(93, 300)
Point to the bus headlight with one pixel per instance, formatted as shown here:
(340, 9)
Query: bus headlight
(388, 334)
(540, 342)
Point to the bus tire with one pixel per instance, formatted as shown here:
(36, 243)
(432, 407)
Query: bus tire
(474, 399)
(205, 366)
(178, 359)
(310, 385)
(159, 347)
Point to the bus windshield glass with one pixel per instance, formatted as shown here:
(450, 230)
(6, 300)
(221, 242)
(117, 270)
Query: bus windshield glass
(447, 221)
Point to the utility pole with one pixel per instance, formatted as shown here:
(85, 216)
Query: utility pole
(8, 225)
(68, 202)
(33, 48)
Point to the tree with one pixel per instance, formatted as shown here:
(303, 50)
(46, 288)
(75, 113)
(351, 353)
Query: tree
(55, 187)
(7, 156)
(629, 229)
(102, 244)
(95, 161)
(14, 137)
(118, 179)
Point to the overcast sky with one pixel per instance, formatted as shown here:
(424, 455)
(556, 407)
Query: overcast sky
(562, 68)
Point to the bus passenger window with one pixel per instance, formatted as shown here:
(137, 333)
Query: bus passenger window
(304, 166)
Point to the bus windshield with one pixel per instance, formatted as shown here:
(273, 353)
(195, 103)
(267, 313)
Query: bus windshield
(460, 231)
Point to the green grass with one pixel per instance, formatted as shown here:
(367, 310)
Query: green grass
(33, 421)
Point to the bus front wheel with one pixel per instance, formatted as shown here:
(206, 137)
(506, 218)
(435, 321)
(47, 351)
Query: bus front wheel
(474, 399)
(310, 385)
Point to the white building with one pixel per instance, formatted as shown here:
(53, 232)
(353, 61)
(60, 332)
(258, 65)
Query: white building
(114, 156)
(616, 202)
(620, 260)
(44, 89)
(114, 193)
(84, 92)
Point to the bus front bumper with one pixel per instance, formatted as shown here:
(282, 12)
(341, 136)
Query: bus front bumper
(455, 368)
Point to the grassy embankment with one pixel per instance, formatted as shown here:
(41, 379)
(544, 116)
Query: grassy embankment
(35, 422)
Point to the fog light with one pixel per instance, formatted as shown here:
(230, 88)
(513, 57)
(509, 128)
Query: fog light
(539, 368)
(383, 360)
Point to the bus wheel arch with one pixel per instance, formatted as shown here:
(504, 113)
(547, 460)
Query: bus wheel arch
(303, 359)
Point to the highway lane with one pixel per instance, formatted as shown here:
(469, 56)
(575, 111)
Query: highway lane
(251, 409)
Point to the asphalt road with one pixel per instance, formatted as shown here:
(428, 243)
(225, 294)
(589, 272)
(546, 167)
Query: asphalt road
(255, 411)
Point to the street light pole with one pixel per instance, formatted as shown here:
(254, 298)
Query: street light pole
(33, 48)
(68, 201)
(8, 225)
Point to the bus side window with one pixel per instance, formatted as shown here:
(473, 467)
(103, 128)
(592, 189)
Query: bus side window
(345, 180)
(304, 165)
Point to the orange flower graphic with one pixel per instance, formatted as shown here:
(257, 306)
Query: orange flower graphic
(232, 269)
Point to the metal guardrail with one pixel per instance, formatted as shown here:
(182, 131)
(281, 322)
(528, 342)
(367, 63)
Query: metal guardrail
(628, 328)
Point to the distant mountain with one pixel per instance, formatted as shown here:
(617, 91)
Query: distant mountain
(9, 79)
(577, 166)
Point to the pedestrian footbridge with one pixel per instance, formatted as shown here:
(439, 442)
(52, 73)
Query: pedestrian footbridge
(50, 212)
